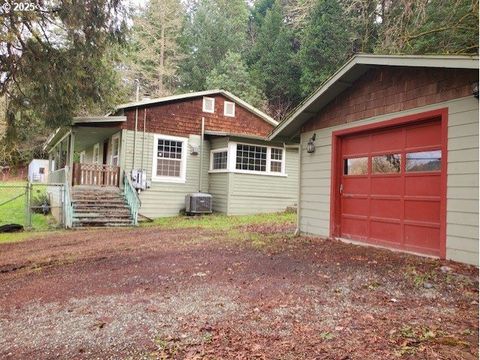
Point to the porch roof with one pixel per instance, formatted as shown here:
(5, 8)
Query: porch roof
(87, 131)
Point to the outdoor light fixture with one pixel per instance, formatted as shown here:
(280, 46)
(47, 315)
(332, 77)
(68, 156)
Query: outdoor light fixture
(311, 144)
(475, 89)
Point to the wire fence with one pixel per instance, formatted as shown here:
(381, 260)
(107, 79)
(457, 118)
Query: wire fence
(34, 206)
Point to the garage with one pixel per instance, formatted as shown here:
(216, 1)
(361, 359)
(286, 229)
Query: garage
(389, 155)
(390, 187)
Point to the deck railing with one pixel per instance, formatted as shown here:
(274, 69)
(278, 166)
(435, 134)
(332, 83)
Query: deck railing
(96, 174)
(57, 176)
(132, 198)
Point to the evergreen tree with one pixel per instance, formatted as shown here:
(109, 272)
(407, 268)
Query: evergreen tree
(232, 75)
(215, 27)
(154, 53)
(325, 44)
(274, 64)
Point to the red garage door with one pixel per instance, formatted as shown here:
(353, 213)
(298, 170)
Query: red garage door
(390, 187)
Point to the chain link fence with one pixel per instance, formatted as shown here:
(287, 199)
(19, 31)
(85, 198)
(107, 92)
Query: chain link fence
(34, 206)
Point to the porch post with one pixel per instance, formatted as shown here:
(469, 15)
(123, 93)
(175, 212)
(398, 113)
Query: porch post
(70, 156)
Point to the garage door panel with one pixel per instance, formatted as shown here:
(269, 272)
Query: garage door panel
(422, 237)
(426, 135)
(391, 204)
(422, 210)
(354, 205)
(386, 208)
(385, 231)
(387, 141)
(356, 185)
(423, 185)
(354, 228)
(386, 185)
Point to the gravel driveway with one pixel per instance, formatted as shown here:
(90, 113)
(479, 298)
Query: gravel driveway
(245, 293)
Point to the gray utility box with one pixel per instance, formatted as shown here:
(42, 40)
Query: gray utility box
(198, 203)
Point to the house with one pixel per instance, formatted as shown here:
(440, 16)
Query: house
(389, 155)
(38, 170)
(210, 141)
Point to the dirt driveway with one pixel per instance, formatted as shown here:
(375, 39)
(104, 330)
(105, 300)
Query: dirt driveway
(245, 293)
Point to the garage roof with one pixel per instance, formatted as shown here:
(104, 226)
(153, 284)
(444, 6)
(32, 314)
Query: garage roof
(351, 71)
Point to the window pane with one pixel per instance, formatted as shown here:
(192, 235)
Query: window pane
(253, 158)
(168, 167)
(276, 166)
(219, 160)
(277, 154)
(385, 164)
(169, 149)
(356, 166)
(424, 161)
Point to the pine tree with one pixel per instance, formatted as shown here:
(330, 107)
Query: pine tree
(325, 44)
(232, 75)
(215, 28)
(274, 64)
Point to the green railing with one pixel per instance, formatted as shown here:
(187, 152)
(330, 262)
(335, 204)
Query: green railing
(67, 200)
(131, 197)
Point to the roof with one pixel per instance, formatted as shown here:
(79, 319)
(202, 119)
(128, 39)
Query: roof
(351, 71)
(225, 93)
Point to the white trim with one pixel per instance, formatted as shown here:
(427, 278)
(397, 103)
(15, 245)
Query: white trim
(98, 119)
(225, 103)
(233, 158)
(211, 169)
(183, 165)
(82, 156)
(205, 99)
(96, 146)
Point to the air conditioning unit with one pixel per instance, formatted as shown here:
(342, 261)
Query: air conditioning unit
(198, 203)
(139, 179)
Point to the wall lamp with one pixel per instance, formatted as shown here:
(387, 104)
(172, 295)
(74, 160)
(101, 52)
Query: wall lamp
(475, 89)
(311, 144)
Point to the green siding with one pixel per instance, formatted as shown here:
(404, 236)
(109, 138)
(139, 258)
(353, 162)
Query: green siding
(251, 193)
(165, 198)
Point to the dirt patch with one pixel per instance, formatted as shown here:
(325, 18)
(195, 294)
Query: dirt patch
(251, 292)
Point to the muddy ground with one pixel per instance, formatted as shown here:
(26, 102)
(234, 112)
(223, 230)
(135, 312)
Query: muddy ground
(254, 292)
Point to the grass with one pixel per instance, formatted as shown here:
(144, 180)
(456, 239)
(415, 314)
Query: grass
(12, 207)
(221, 221)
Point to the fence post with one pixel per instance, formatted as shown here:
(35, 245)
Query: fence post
(28, 205)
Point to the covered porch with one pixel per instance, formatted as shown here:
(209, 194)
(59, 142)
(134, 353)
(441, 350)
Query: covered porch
(87, 153)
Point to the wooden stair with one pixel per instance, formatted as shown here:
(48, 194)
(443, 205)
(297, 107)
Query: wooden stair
(93, 207)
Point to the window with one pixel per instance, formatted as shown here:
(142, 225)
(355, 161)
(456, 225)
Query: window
(229, 108)
(218, 159)
(385, 164)
(276, 157)
(208, 105)
(82, 157)
(169, 161)
(355, 166)
(251, 158)
(424, 161)
(115, 150)
(41, 170)
(96, 154)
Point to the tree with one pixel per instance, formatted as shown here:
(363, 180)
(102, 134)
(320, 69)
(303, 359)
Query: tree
(274, 66)
(232, 75)
(53, 59)
(325, 44)
(215, 27)
(429, 27)
(155, 51)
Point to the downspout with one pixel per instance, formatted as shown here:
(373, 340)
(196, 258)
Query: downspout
(136, 123)
(299, 190)
(201, 155)
(143, 140)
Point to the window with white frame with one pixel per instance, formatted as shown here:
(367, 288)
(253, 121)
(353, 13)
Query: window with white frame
(219, 159)
(229, 109)
(96, 154)
(251, 158)
(208, 104)
(169, 161)
(276, 160)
